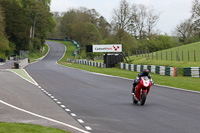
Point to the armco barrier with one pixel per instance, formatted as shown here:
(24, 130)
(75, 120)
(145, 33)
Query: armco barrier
(191, 71)
(89, 63)
(162, 70)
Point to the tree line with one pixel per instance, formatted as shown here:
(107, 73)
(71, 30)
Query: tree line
(133, 25)
(24, 25)
(188, 30)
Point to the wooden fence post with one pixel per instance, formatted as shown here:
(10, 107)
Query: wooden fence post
(194, 56)
(161, 54)
(156, 55)
(171, 55)
(188, 55)
(182, 55)
(166, 55)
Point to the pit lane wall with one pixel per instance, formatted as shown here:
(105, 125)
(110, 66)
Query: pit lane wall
(191, 72)
(86, 62)
(162, 70)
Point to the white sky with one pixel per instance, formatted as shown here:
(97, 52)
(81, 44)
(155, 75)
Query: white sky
(172, 12)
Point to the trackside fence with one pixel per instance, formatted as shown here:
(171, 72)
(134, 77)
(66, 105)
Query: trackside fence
(162, 70)
(191, 71)
(89, 63)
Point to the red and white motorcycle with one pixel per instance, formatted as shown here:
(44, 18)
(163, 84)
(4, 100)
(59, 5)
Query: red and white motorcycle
(142, 90)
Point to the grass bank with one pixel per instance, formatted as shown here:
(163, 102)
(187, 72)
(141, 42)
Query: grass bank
(189, 56)
(36, 55)
(188, 83)
(27, 128)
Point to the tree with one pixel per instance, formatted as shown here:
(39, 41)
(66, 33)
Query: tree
(26, 20)
(66, 23)
(140, 15)
(196, 9)
(78, 18)
(196, 15)
(44, 21)
(85, 33)
(152, 19)
(122, 18)
(104, 27)
(4, 44)
(185, 29)
(17, 24)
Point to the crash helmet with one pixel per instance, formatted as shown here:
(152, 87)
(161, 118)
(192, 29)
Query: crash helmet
(145, 72)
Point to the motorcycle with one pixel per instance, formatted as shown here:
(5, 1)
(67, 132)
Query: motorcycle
(142, 90)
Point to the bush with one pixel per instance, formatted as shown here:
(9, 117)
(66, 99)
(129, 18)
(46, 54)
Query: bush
(36, 44)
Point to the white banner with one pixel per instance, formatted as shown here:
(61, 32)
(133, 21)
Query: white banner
(107, 48)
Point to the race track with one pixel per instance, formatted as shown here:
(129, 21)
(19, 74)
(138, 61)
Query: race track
(104, 103)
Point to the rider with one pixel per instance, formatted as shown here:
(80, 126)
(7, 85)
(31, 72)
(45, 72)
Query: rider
(145, 72)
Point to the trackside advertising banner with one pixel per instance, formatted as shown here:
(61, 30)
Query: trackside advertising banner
(107, 48)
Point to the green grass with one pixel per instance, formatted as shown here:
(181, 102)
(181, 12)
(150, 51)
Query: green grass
(69, 51)
(188, 83)
(27, 128)
(22, 73)
(183, 55)
(36, 55)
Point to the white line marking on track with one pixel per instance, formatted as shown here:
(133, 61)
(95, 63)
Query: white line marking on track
(72, 114)
(63, 106)
(23, 77)
(68, 110)
(55, 99)
(80, 121)
(88, 128)
(31, 78)
(58, 102)
(43, 117)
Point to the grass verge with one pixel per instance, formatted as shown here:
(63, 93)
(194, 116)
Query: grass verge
(22, 73)
(36, 55)
(27, 128)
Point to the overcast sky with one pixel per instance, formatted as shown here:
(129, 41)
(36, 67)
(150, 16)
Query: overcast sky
(172, 12)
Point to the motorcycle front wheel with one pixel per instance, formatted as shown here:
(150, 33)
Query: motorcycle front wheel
(143, 98)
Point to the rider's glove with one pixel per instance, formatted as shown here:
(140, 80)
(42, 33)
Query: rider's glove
(152, 83)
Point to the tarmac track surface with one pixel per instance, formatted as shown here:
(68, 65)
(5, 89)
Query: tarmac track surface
(25, 96)
(105, 103)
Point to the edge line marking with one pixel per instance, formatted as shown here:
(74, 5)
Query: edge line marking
(43, 117)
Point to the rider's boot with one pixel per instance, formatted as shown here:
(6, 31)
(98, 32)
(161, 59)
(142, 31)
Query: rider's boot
(133, 90)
